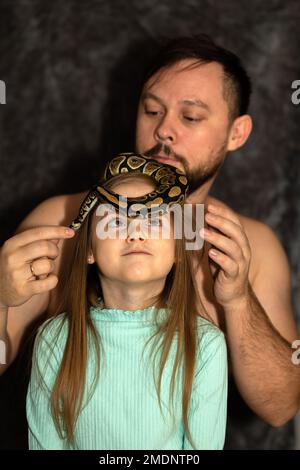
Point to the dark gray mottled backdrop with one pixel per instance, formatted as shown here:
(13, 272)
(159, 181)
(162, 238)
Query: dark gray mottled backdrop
(71, 70)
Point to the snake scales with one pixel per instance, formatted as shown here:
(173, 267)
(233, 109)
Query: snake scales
(172, 186)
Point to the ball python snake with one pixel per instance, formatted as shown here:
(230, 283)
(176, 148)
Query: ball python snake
(172, 186)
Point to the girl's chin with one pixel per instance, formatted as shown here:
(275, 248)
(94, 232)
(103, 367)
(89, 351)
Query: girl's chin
(139, 277)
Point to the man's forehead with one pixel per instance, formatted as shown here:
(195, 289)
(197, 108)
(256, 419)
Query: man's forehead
(186, 68)
(193, 77)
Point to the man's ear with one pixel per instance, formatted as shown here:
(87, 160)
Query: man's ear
(239, 132)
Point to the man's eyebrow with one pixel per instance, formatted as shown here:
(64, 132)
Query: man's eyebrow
(195, 102)
(146, 95)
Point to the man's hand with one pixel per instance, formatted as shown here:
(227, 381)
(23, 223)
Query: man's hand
(230, 253)
(37, 247)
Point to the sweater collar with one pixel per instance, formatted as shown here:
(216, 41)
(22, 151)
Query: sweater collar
(114, 314)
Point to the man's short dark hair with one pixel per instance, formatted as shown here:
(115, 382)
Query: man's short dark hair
(237, 85)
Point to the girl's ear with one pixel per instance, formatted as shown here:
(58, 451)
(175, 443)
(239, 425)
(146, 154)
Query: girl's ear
(91, 259)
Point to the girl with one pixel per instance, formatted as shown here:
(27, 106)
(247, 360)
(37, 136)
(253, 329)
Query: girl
(130, 364)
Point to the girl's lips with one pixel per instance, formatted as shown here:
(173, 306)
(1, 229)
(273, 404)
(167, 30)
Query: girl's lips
(133, 252)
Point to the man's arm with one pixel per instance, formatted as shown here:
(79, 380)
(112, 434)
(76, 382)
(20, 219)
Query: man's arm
(258, 317)
(271, 278)
(260, 341)
(15, 320)
(23, 299)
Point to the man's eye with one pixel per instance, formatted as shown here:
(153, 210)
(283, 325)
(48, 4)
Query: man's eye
(191, 118)
(151, 112)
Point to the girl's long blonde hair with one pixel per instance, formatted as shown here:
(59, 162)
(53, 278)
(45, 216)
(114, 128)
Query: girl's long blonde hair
(82, 288)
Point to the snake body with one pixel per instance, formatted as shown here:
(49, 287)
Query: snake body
(172, 186)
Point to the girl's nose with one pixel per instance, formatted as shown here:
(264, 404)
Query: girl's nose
(136, 231)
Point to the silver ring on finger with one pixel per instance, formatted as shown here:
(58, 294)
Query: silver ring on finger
(32, 270)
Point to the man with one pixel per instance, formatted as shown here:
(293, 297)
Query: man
(192, 111)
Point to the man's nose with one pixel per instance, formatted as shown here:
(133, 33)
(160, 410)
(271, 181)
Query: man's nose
(165, 131)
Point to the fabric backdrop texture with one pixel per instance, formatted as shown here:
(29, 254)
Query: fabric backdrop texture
(72, 71)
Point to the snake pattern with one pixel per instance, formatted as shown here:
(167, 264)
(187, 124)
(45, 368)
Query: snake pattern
(172, 186)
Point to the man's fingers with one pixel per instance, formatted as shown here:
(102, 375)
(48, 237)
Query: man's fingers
(38, 249)
(40, 267)
(229, 228)
(228, 266)
(51, 232)
(43, 285)
(224, 244)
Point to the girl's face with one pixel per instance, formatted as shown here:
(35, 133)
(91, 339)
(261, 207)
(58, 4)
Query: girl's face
(142, 256)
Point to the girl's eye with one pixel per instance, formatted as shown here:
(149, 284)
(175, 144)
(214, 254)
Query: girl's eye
(154, 222)
(116, 223)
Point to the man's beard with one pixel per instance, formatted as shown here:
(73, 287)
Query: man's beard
(198, 176)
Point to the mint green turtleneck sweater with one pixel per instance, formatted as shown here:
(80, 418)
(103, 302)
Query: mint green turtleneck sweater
(123, 413)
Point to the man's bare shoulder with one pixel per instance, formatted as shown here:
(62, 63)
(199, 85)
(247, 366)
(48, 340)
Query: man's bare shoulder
(263, 240)
(267, 251)
(57, 210)
(259, 233)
